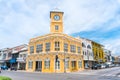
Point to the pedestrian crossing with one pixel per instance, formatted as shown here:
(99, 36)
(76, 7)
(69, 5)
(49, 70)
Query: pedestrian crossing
(111, 74)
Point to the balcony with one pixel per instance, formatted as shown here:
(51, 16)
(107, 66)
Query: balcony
(21, 59)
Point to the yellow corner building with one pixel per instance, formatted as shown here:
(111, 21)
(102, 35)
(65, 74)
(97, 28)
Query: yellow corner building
(56, 51)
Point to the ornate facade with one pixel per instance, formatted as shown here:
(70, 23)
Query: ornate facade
(88, 55)
(56, 51)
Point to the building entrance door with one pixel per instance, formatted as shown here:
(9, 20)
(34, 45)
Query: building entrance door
(73, 65)
(39, 66)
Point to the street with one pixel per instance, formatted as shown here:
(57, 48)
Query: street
(102, 74)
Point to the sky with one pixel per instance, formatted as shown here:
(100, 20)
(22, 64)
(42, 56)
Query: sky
(98, 20)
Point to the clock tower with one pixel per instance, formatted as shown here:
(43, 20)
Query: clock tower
(56, 24)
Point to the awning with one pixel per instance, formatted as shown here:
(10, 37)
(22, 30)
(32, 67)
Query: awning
(13, 61)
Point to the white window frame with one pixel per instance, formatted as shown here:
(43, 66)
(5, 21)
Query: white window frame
(73, 48)
(65, 47)
(39, 48)
(79, 64)
(66, 64)
(47, 63)
(47, 46)
(31, 49)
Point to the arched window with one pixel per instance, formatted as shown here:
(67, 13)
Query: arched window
(89, 47)
(83, 45)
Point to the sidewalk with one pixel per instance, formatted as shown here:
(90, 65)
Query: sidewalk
(17, 70)
(87, 72)
(84, 72)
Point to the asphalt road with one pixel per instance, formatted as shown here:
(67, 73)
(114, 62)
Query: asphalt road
(102, 74)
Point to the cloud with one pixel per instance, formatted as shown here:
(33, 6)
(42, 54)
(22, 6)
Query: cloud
(87, 15)
(21, 20)
(114, 45)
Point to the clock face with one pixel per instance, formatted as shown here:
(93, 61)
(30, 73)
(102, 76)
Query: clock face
(56, 17)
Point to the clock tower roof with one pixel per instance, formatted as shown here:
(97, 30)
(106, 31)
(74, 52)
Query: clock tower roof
(56, 10)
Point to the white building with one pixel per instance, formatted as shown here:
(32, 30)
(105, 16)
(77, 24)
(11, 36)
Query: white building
(108, 56)
(87, 52)
(22, 57)
(3, 56)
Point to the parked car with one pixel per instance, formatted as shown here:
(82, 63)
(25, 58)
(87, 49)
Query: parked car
(96, 66)
(117, 65)
(4, 68)
(13, 68)
(103, 66)
(111, 65)
(106, 66)
(99, 66)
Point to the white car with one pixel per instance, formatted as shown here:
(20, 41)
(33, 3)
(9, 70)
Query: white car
(103, 66)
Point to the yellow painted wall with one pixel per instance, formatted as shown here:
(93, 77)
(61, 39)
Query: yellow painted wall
(51, 55)
(98, 52)
(55, 35)
(54, 22)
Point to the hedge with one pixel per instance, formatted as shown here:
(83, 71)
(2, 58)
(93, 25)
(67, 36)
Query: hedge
(5, 78)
